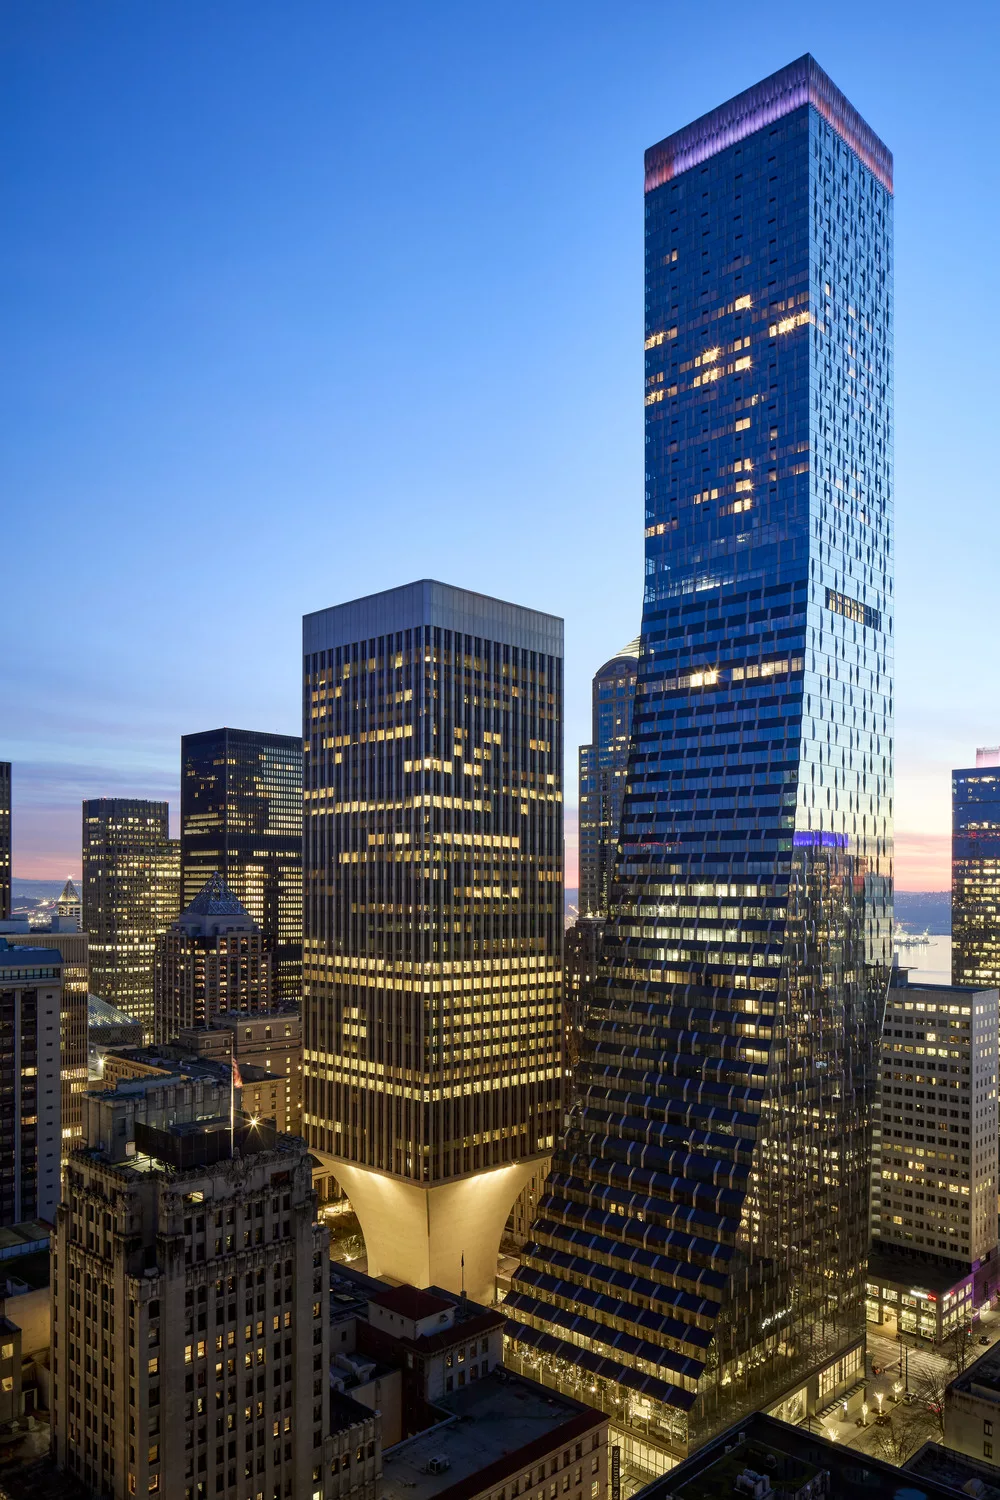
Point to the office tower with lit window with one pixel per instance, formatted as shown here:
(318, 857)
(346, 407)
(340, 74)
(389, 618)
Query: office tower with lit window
(700, 1251)
(975, 871)
(5, 855)
(30, 1102)
(241, 816)
(603, 764)
(934, 1160)
(131, 891)
(192, 1282)
(433, 918)
(212, 960)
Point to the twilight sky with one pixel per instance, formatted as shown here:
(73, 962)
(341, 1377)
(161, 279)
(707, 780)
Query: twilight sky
(304, 300)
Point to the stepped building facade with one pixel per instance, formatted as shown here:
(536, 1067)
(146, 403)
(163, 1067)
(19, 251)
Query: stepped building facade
(700, 1249)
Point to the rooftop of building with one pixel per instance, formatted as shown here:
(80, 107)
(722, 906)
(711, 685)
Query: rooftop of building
(351, 1292)
(982, 1376)
(919, 1272)
(773, 1448)
(214, 906)
(411, 1302)
(103, 1013)
(498, 1425)
(627, 653)
(226, 1020)
(248, 736)
(900, 980)
(345, 1412)
(185, 1155)
(174, 1061)
(21, 956)
(943, 1466)
(799, 83)
(430, 602)
(25, 1273)
(39, 1480)
(17, 1240)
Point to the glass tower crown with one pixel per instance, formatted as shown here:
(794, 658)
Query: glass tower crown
(700, 1249)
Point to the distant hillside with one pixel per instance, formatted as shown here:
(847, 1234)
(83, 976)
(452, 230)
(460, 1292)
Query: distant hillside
(36, 890)
(924, 911)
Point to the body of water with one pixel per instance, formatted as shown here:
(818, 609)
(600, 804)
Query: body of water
(928, 962)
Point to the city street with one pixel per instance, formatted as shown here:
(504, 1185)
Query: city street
(926, 1372)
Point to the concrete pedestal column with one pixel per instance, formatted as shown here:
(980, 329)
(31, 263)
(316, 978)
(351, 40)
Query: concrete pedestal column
(419, 1234)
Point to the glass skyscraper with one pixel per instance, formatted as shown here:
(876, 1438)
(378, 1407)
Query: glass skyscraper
(603, 766)
(975, 872)
(241, 817)
(432, 720)
(701, 1245)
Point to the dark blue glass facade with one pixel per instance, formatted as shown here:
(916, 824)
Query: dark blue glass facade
(975, 874)
(700, 1250)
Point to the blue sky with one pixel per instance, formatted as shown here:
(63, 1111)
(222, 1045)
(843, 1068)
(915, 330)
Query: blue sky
(304, 300)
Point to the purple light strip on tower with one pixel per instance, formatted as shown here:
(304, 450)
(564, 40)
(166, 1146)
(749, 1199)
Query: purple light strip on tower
(802, 82)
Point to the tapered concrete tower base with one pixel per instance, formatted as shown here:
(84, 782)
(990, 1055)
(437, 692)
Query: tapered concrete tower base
(419, 1234)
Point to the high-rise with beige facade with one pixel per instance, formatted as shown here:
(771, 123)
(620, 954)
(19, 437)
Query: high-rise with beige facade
(432, 917)
(934, 1159)
(190, 1312)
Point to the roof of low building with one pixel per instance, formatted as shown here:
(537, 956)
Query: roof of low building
(345, 1412)
(983, 1372)
(944, 1466)
(502, 1423)
(411, 1302)
(887, 1264)
(768, 1446)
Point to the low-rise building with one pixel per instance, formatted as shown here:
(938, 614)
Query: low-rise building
(270, 1040)
(258, 1093)
(454, 1421)
(967, 1476)
(972, 1409)
(763, 1458)
(500, 1436)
